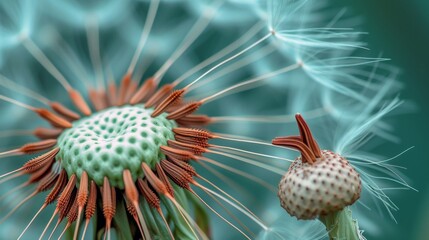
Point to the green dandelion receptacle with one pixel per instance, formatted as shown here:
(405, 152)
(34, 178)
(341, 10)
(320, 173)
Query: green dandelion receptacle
(113, 140)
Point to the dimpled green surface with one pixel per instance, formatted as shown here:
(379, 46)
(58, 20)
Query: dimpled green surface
(108, 142)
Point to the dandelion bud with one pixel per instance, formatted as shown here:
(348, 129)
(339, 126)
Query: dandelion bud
(328, 185)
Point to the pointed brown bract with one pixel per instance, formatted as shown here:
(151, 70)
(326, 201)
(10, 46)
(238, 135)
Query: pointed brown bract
(298, 138)
(91, 206)
(194, 120)
(97, 99)
(193, 132)
(109, 203)
(159, 95)
(195, 149)
(192, 140)
(71, 218)
(112, 96)
(130, 188)
(307, 154)
(79, 102)
(82, 194)
(185, 110)
(38, 146)
(123, 88)
(65, 210)
(64, 111)
(164, 179)
(306, 136)
(113, 193)
(174, 97)
(177, 174)
(58, 188)
(144, 92)
(43, 171)
(40, 161)
(132, 211)
(153, 199)
(69, 202)
(52, 118)
(92, 201)
(174, 106)
(177, 153)
(36, 164)
(132, 199)
(47, 133)
(65, 196)
(154, 181)
(148, 194)
(184, 165)
(72, 215)
(305, 143)
(81, 199)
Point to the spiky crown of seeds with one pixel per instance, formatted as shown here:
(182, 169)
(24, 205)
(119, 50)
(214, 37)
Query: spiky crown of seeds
(126, 147)
(318, 182)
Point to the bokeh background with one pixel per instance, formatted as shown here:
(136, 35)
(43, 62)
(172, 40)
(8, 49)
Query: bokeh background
(400, 29)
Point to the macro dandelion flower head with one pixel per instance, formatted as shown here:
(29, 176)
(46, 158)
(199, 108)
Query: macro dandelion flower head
(124, 140)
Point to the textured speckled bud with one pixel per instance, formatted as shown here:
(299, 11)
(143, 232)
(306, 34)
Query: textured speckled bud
(328, 185)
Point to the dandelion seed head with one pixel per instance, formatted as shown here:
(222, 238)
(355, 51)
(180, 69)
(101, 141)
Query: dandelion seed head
(107, 143)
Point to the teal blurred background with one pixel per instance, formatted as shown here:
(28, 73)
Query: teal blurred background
(400, 30)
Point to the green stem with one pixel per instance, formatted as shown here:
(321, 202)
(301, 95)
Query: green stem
(341, 225)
